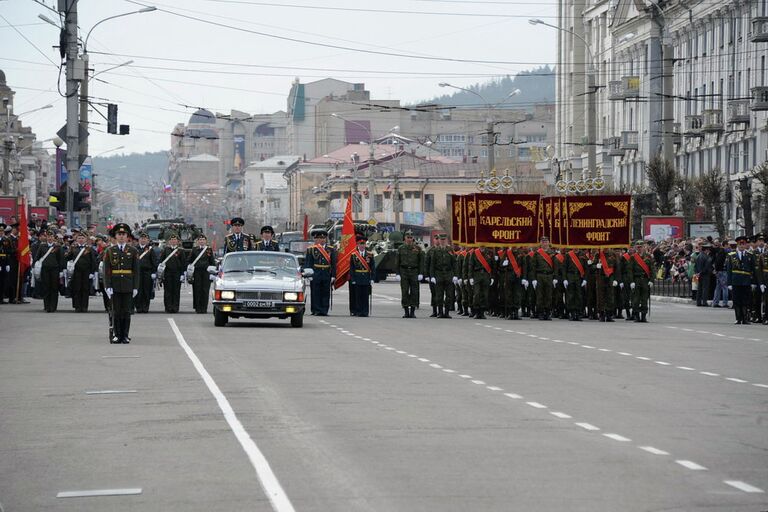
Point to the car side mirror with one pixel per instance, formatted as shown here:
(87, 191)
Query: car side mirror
(212, 270)
(308, 272)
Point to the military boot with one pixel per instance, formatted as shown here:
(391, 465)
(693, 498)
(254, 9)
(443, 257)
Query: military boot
(642, 318)
(434, 312)
(480, 315)
(407, 312)
(609, 317)
(601, 316)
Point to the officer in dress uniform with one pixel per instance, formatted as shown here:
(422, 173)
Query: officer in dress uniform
(6, 253)
(641, 270)
(321, 258)
(361, 275)
(409, 266)
(12, 269)
(50, 270)
(513, 273)
(481, 271)
(761, 256)
(742, 278)
(608, 276)
(201, 279)
(266, 243)
(442, 268)
(83, 256)
(147, 273)
(121, 281)
(238, 241)
(427, 265)
(175, 265)
(574, 282)
(544, 278)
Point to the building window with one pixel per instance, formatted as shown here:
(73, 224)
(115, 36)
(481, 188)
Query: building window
(378, 203)
(412, 201)
(429, 202)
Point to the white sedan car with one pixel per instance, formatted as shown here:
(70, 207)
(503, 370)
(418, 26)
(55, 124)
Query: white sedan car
(259, 284)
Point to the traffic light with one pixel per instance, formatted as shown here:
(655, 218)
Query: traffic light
(58, 199)
(81, 201)
(112, 118)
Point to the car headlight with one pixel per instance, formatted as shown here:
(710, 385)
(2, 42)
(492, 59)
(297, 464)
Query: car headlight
(290, 296)
(227, 294)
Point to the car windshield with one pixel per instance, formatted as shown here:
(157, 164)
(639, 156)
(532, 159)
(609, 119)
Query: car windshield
(280, 264)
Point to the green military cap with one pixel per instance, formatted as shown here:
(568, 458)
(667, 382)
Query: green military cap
(172, 236)
(443, 236)
(202, 235)
(408, 232)
(638, 243)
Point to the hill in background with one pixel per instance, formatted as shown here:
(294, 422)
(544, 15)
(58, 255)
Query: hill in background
(138, 172)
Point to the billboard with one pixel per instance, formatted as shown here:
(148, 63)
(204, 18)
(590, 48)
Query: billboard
(662, 227)
(239, 144)
(86, 175)
(702, 230)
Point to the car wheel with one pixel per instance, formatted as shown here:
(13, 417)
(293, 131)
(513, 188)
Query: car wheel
(297, 320)
(219, 319)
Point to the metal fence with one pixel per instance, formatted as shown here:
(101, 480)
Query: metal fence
(672, 288)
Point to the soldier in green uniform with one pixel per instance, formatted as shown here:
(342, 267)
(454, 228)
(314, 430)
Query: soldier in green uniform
(121, 281)
(641, 270)
(544, 279)
(558, 289)
(481, 271)
(147, 273)
(237, 240)
(458, 287)
(513, 272)
(427, 260)
(201, 258)
(590, 299)
(5, 261)
(761, 254)
(625, 293)
(51, 265)
(442, 268)
(608, 275)
(742, 278)
(409, 266)
(83, 264)
(529, 292)
(574, 281)
(469, 295)
(267, 243)
(174, 261)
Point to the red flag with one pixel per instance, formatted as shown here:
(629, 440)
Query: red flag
(306, 227)
(346, 246)
(24, 255)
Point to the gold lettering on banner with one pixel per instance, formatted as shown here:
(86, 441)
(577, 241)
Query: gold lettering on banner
(599, 236)
(487, 203)
(574, 207)
(599, 223)
(506, 234)
(622, 206)
(488, 220)
(457, 208)
(528, 205)
(470, 209)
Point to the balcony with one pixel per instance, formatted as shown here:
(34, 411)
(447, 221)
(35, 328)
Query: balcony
(631, 85)
(713, 121)
(738, 111)
(677, 134)
(629, 140)
(612, 146)
(759, 98)
(693, 125)
(616, 90)
(760, 30)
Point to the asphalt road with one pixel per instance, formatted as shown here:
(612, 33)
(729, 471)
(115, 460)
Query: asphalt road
(383, 413)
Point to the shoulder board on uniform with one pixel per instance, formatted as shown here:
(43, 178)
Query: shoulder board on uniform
(732, 253)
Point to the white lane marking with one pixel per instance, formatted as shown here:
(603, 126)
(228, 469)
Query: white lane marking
(605, 350)
(688, 330)
(686, 368)
(400, 352)
(435, 365)
(537, 405)
(655, 451)
(560, 415)
(625, 353)
(617, 437)
(507, 330)
(497, 328)
(423, 360)
(732, 379)
(513, 396)
(662, 363)
(755, 339)
(478, 382)
(558, 341)
(463, 376)
(743, 486)
(691, 465)
(587, 346)
(99, 492)
(710, 374)
(448, 370)
(492, 388)
(333, 325)
(366, 339)
(587, 426)
(351, 334)
(390, 348)
(111, 392)
(761, 385)
(545, 339)
(412, 355)
(120, 357)
(643, 358)
(358, 337)
(267, 478)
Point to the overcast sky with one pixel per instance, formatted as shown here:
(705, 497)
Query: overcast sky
(244, 54)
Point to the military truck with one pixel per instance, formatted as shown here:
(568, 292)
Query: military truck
(160, 229)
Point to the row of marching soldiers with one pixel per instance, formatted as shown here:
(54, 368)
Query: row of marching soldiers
(541, 283)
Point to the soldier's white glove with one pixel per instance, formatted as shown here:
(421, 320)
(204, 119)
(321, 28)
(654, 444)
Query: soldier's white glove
(762, 288)
(621, 285)
(599, 265)
(650, 284)
(333, 280)
(61, 274)
(754, 286)
(632, 286)
(472, 282)
(154, 276)
(90, 276)
(730, 287)
(181, 278)
(615, 284)
(496, 257)
(524, 282)
(420, 277)
(7, 268)
(534, 283)
(589, 262)
(456, 280)
(372, 282)
(212, 277)
(583, 283)
(135, 293)
(554, 282)
(565, 283)
(396, 278)
(433, 280)
(505, 263)
(464, 281)
(109, 292)
(491, 281)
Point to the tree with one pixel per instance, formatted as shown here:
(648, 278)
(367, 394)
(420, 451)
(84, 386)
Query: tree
(711, 186)
(661, 180)
(760, 173)
(444, 219)
(745, 201)
(686, 197)
(642, 205)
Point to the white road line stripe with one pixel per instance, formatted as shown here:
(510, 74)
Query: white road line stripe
(642, 358)
(710, 374)
(111, 392)
(573, 343)
(545, 339)
(366, 339)
(625, 353)
(605, 350)
(448, 370)
(267, 479)
(478, 382)
(423, 360)
(655, 451)
(465, 376)
(688, 330)
(732, 379)
(558, 341)
(587, 346)
(435, 365)
(560, 415)
(743, 486)
(587, 426)
(492, 388)
(761, 385)
(400, 352)
(662, 363)
(513, 396)
(537, 405)
(691, 465)
(617, 437)
(412, 355)
(686, 368)
(389, 348)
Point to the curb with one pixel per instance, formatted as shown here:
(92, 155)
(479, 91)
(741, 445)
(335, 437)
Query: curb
(673, 300)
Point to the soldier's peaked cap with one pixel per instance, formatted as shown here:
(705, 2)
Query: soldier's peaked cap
(408, 232)
(319, 233)
(361, 238)
(267, 229)
(443, 236)
(742, 238)
(120, 228)
(237, 221)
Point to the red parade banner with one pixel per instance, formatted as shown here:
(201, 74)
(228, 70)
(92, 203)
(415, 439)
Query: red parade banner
(469, 214)
(507, 220)
(457, 215)
(597, 221)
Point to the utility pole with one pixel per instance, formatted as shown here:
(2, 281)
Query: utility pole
(69, 7)
(667, 124)
(371, 179)
(396, 201)
(8, 145)
(491, 135)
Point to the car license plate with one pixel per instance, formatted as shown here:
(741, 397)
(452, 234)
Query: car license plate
(259, 303)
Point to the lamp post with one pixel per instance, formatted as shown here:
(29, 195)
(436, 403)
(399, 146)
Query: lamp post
(9, 145)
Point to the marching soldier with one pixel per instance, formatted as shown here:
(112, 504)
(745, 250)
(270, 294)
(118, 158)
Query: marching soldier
(575, 281)
(147, 273)
(758, 294)
(558, 289)
(442, 267)
(624, 293)
(513, 274)
(529, 291)
(458, 282)
(266, 243)
(427, 264)
(83, 266)
(51, 265)
(593, 274)
(12, 269)
(322, 259)
(641, 270)
(361, 276)
(741, 269)
(544, 279)
(121, 281)
(238, 241)
(469, 292)
(608, 275)
(480, 273)
(6, 254)
(202, 257)
(761, 253)
(409, 265)
(175, 263)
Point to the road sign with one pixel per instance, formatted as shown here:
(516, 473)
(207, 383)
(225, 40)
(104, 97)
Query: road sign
(337, 215)
(372, 222)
